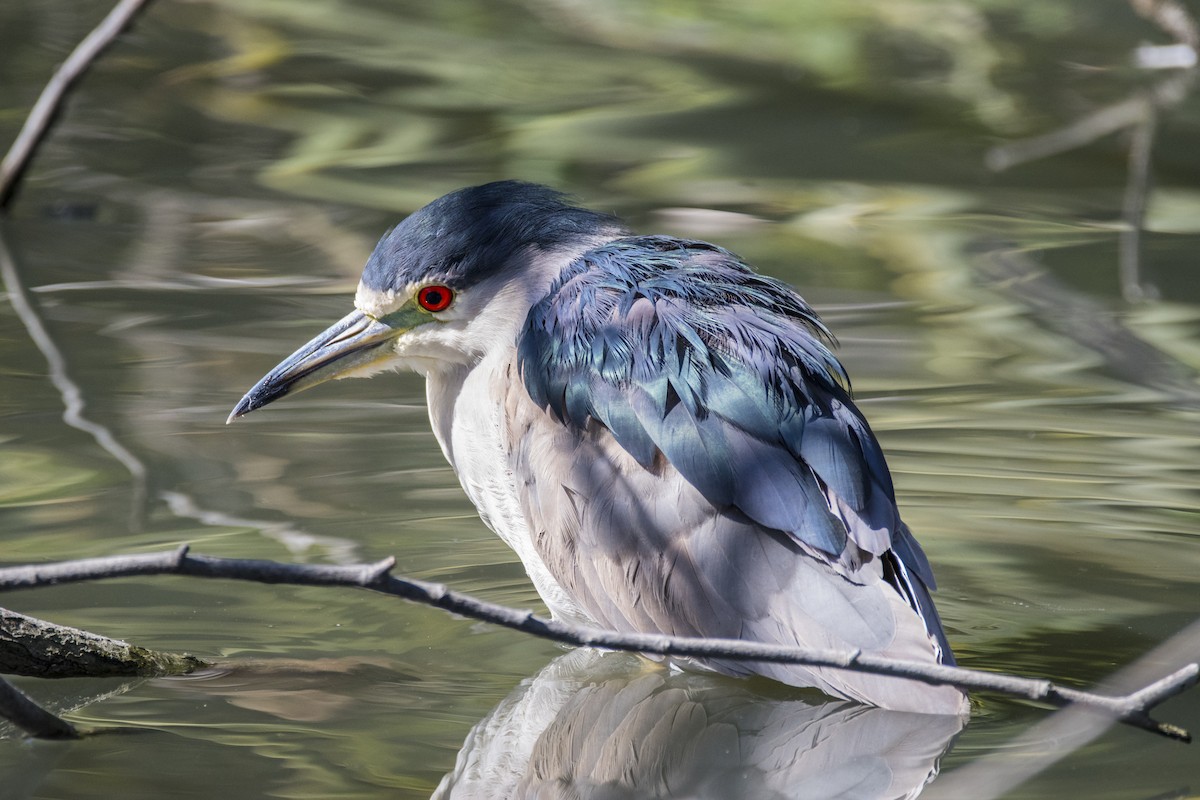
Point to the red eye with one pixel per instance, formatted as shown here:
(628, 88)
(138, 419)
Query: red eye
(435, 298)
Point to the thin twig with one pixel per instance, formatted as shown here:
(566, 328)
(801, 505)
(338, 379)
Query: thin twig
(1133, 208)
(48, 103)
(1130, 709)
(30, 717)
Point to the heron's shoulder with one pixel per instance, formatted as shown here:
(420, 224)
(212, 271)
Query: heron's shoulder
(667, 266)
(677, 347)
(630, 300)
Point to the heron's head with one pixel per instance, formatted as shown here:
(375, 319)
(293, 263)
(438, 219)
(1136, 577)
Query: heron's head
(446, 285)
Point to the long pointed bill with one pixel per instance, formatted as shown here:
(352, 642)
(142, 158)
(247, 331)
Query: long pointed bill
(353, 343)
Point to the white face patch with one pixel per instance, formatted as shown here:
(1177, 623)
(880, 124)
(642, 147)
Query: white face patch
(378, 303)
(482, 317)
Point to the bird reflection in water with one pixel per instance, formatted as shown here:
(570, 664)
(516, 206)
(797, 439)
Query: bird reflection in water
(592, 725)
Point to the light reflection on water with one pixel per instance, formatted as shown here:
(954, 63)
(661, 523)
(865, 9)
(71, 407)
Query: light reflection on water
(1053, 483)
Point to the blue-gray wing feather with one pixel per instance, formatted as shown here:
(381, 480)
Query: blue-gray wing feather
(685, 354)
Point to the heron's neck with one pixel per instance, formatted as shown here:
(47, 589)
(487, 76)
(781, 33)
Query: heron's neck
(456, 392)
(479, 414)
(479, 368)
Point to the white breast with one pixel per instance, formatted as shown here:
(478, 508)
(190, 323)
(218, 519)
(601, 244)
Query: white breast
(467, 413)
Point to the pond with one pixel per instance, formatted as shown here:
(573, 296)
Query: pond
(208, 197)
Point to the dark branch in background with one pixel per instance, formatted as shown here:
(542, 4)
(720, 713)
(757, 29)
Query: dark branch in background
(1139, 114)
(1131, 709)
(1173, 20)
(33, 132)
(1087, 323)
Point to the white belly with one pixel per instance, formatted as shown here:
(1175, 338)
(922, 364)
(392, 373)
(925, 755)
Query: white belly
(466, 409)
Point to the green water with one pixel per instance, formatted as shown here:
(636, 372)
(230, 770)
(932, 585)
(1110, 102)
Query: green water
(208, 198)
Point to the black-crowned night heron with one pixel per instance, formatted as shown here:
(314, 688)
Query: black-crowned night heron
(662, 435)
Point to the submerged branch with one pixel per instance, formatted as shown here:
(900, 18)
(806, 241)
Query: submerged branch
(1086, 322)
(1132, 709)
(30, 717)
(36, 648)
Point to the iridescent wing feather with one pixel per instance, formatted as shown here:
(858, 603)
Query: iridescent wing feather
(712, 381)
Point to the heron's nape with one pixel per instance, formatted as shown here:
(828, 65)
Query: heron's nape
(664, 436)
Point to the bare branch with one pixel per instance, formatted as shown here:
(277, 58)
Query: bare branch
(1123, 114)
(48, 103)
(1132, 709)
(30, 717)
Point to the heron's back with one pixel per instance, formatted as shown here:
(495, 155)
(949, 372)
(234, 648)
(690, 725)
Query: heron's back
(683, 457)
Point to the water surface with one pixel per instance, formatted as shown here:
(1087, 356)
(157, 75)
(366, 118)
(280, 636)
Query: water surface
(209, 196)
